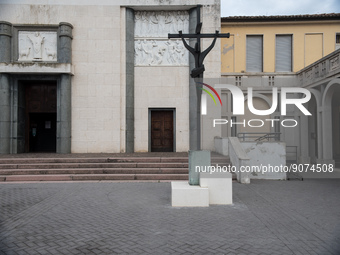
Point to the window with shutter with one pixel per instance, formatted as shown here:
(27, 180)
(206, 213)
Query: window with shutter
(283, 53)
(337, 41)
(254, 53)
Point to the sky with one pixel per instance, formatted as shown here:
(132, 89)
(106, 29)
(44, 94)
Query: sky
(277, 7)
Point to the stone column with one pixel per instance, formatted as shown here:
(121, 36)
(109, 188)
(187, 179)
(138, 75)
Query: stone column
(304, 145)
(319, 134)
(64, 115)
(130, 82)
(327, 143)
(318, 120)
(65, 43)
(64, 107)
(5, 41)
(5, 114)
(5, 103)
(193, 122)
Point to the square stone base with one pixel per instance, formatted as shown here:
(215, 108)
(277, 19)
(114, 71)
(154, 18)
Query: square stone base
(185, 195)
(220, 187)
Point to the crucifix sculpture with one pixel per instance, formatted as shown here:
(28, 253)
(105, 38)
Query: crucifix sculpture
(197, 72)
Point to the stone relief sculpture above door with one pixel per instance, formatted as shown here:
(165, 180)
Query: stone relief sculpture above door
(37, 46)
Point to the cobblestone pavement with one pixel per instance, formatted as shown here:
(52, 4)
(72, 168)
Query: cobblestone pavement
(267, 217)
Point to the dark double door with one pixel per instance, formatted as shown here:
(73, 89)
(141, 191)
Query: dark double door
(41, 117)
(162, 131)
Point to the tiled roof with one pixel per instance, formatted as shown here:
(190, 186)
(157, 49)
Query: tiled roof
(323, 16)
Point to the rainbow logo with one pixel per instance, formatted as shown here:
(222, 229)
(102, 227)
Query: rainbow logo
(209, 93)
(204, 97)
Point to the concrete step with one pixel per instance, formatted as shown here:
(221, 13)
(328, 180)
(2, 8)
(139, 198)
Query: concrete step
(93, 165)
(94, 171)
(95, 177)
(17, 161)
(93, 160)
(68, 168)
(91, 177)
(97, 165)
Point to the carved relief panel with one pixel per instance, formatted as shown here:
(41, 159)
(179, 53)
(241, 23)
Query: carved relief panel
(160, 23)
(37, 46)
(160, 52)
(334, 62)
(152, 46)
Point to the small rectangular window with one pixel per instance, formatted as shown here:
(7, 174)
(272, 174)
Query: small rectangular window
(337, 41)
(254, 59)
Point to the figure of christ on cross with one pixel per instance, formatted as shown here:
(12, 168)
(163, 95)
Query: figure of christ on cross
(199, 56)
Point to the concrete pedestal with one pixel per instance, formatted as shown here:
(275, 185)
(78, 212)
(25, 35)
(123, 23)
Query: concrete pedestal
(185, 195)
(214, 189)
(220, 187)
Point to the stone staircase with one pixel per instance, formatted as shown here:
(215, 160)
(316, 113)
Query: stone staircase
(97, 168)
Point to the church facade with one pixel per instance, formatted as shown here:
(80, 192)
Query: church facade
(99, 76)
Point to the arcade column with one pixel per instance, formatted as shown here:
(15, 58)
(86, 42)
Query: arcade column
(64, 90)
(5, 90)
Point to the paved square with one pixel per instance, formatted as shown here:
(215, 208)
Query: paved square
(267, 217)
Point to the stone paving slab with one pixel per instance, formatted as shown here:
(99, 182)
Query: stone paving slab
(267, 217)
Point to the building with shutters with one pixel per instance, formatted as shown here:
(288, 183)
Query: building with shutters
(267, 52)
